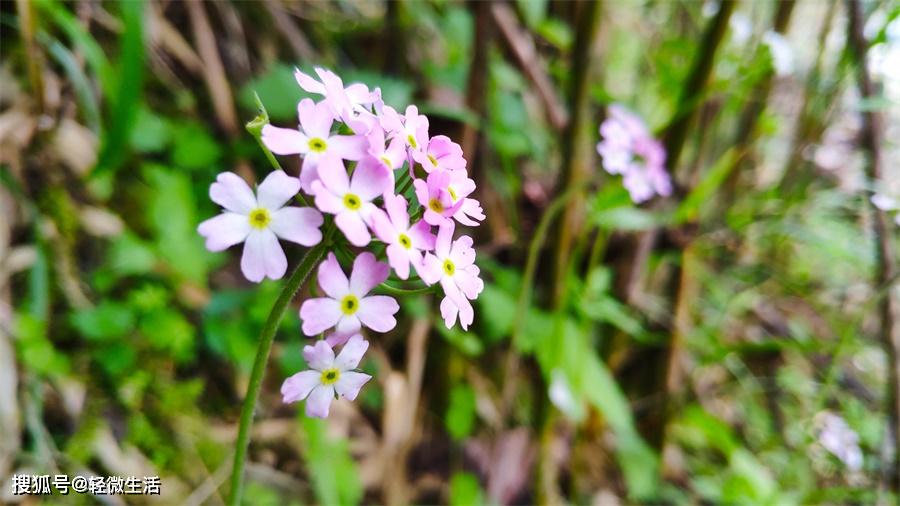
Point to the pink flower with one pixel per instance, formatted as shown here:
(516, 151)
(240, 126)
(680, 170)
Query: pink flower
(391, 156)
(259, 220)
(444, 196)
(405, 243)
(314, 140)
(342, 102)
(350, 199)
(327, 375)
(454, 266)
(411, 128)
(346, 304)
(440, 153)
(628, 148)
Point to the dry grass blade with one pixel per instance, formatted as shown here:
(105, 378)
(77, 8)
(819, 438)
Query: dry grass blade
(213, 70)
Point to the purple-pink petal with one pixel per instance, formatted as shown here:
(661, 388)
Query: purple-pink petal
(377, 312)
(371, 179)
(319, 315)
(232, 193)
(318, 356)
(263, 256)
(351, 353)
(367, 274)
(319, 401)
(349, 384)
(284, 141)
(353, 227)
(224, 230)
(298, 224)
(298, 386)
(332, 279)
(276, 189)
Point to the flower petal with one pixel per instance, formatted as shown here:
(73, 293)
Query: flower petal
(319, 356)
(319, 401)
(232, 193)
(298, 224)
(263, 256)
(444, 237)
(298, 386)
(352, 353)
(377, 312)
(308, 83)
(353, 227)
(462, 253)
(315, 119)
(367, 273)
(431, 270)
(348, 326)
(371, 179)
(398, 256)
(421, 236)
(224, 230)
(348, 147)
(333, 175)
(276, 189)
(319, 315)
(326, 200)
(349, 384)
(396, 207)
(284, 141)
(332, 279)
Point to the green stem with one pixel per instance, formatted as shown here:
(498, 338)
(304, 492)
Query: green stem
(254, 127)
(291, 287)
(401, 292)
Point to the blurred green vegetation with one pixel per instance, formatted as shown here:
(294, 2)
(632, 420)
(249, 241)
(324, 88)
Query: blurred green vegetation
(132, 343)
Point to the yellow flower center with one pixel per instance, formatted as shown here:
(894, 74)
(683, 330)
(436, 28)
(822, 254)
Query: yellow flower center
(330, 376)
(352, 202)
(412, 141)
(435, 205)
(385, 160)
(433, 160)
(349, 304)
(317, 145)
(405, 241)
(452, 193)
(259, 218)
(449, 268)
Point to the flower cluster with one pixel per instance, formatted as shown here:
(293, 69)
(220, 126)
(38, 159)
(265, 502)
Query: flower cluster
(628, 148)
(389, 187)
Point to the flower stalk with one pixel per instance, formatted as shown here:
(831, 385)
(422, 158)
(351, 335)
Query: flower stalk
(266, 337)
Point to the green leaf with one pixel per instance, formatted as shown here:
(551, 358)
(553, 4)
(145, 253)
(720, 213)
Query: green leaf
(334, 475)
(152, 133)
(276, 88)
(465, 490)
(167, 330)
(690, 207)
(171, 211)
(461, 411)
(194, 147)
(108, 320)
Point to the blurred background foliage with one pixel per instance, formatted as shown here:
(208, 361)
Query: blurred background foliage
(681, 351)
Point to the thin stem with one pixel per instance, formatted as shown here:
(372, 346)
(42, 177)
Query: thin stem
(254, 127)
(291, 287)
(400, 292)
(534, 249)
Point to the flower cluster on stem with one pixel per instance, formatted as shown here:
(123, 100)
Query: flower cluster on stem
(389, 188)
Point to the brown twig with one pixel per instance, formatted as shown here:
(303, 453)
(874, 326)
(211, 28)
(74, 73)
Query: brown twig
(213, 70)
(526, 55)
(870, 140)
(577, 145)
(301, 47)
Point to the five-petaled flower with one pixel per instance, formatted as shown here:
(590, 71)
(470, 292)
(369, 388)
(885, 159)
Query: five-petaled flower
(313, 140)
(259, 221)
(347, 305)
(327, 376)
(453, 264)
(349, 199)
(405, 243)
